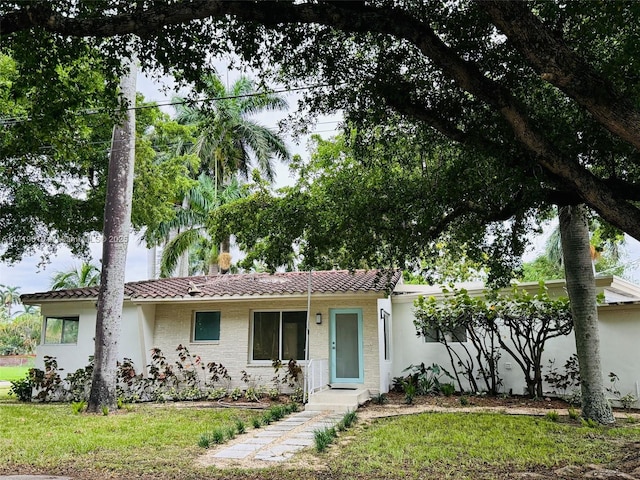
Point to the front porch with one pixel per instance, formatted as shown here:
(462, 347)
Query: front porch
(323, 396)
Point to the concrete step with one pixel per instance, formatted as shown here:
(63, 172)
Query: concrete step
(337, 400)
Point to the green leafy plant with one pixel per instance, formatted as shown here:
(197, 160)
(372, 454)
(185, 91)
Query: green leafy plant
(204, 441)
(573, 413)
(267, 417)
(241, 427)
(22, 389)
(409, 392)
(236, 394)
(553, 416)
(464, 400)
(447, 389)
(105, 410)
(589, 423)
(627, 401)
(78, 407)
(349, 418)
(256, 422)
(379, 399)
(323, 438)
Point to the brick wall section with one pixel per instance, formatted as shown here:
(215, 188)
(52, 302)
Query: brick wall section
(16, 360)
(173, 327)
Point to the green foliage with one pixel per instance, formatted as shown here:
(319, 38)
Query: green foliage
(569, 378)
(323, 438)
(22, 389)
(410, 389)
(379, 399)
(241, 426)
(552, 416)
(86, 275)
(20, 334)
(488, 322)
(573, 413)
(78, 407)
(447, 389)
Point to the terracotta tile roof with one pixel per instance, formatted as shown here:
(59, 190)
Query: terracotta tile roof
(240, 285)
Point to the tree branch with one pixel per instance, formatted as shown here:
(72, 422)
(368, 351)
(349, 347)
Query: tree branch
(562, 67)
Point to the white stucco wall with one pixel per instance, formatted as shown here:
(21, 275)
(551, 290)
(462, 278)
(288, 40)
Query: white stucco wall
(619, 334)
(71, 357)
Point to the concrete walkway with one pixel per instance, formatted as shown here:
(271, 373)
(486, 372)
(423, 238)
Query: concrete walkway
(276, 442)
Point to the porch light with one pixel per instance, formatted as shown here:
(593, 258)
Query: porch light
(318, 318)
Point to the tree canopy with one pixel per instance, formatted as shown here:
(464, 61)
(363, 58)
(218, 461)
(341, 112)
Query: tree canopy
(467, 69)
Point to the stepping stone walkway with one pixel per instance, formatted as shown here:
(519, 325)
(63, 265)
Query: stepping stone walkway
(279, 441)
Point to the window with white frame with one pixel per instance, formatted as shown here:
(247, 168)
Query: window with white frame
(278, 335)
(205, 327)
(61, 330)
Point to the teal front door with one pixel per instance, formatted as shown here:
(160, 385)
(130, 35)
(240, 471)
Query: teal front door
(346, 345)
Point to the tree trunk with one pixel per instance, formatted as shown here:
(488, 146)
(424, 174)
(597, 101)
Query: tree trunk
(581, 287)
(117, 225)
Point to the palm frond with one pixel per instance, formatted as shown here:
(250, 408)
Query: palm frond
(175, 248)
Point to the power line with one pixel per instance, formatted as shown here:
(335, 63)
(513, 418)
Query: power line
(9, 121)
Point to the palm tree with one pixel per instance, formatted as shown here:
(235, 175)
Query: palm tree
(190, 222)
(86, 275)
(228, 143)
(9, 296)
(229, 139)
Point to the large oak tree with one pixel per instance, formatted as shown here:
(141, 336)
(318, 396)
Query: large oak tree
(547, 90)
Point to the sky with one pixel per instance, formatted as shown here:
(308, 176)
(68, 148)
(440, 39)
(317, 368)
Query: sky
(31, 276)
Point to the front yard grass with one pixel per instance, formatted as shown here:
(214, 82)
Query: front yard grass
(161, 442)
(147, 439)
(13, 373)
(476, 445)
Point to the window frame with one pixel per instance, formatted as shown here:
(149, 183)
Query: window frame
(193, 327)
(65, 319)
(280, 335)
(435, 334)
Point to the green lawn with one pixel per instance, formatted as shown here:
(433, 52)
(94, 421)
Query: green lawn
(13, 373)
(160, 442)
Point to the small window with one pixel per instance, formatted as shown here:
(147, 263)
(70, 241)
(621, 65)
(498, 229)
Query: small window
(61, 330)
(206, 327)
(435, 335)
(431, 335)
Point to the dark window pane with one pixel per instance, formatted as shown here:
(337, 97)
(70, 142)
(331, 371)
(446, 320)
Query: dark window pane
(294, 326)
(206, 326)
(266, 326)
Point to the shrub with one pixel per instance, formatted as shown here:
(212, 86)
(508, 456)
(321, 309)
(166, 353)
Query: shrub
(379, 399)
(409, 392)
(464, 400)
(22, 389)
(256, 422)
(447, 389)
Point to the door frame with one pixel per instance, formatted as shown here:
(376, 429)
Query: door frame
(332, 349)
